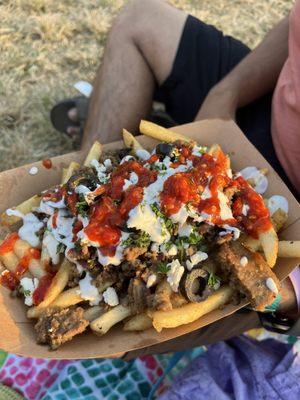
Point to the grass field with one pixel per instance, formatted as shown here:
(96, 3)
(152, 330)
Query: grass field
(47, 45)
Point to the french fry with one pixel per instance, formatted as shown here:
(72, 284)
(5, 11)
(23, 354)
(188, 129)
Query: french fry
(269, 244)
(278, 219)
(9, 260)
(70, 171)
(131, 142)
(251, 243)
(63, 175)
(68, 298)
(214, 151)
(103, 324)
(192, 311)
(57, 286)
(35, 267)
(289, 248)
(94, 154)
(93, 312)
(160, 133)
(139, 322)
(23, 208)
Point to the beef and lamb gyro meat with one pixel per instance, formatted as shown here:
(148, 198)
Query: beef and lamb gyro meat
(249, 273)
(56, 327)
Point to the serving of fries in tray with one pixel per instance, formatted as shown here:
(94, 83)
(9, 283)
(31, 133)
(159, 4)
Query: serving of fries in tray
(155, 238)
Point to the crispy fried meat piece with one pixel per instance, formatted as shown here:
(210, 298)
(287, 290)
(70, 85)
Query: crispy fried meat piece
(56, 327)
(132, 253)
(138, 294)
(249, 273)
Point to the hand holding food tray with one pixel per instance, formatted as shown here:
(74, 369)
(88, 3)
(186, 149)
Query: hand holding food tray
(159, 240)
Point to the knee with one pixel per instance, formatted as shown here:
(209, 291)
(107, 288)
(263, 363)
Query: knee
(133, 17)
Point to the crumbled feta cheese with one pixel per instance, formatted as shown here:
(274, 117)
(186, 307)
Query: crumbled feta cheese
(81, 189)
(107, 163)
(142, 154)
(151, 280)
(33, 170)
(277, 202)
(110, 297)
(174, 274)
(172, 251)
(196, 259)
(155, 247)
(143, 218)
(133, 180)
(245, 209)
(100, 169)
(244, 261)
(30, 229)
(230, 229)
(88, 291)
(181, 216)
(185, 230)
(29, 285)
(56, 204)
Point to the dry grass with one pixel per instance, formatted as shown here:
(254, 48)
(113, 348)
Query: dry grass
(47, 45)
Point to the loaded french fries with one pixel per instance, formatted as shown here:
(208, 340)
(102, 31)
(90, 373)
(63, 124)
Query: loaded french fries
(155, 238)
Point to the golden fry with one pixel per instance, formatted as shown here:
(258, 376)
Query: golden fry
(160, 133)
(9, 260)
(289, 248)
(68, 298)
(269, 244)
(70, 171)
(23, 208)
(131, 142)
(103, 324)
(139, 322)
(192, 311)
(94, 154)
(35, 266)
(93, 312)
(57, 286)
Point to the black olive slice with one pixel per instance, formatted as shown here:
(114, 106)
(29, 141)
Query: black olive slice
(164, 149)
(194, 285)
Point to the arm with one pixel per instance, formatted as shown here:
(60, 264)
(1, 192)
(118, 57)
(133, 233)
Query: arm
(253, 77)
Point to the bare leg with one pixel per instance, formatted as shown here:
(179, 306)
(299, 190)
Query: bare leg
(140, 52)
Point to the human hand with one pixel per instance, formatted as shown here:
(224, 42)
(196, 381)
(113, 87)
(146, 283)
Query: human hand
(221, 102)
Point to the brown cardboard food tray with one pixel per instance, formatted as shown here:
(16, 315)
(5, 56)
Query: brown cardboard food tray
(16, 331)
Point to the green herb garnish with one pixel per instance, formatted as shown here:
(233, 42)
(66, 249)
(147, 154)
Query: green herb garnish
(25, 292)
(77, 245)
(169, 224)
(140, 239)
(213, 280)
(81, 206)
(60, 248)
(162, 268)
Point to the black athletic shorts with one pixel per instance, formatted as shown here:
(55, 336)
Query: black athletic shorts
(204, 56)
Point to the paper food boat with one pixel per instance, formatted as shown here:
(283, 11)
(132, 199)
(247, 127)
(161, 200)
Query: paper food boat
(16, 331)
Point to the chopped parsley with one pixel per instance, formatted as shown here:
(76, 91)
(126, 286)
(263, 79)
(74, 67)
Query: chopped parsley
(81, 206)
(169, 224)
(213, 280)
(162, 268)
(25, 292)
(60, 248)
(140, 239)
(77, 245)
